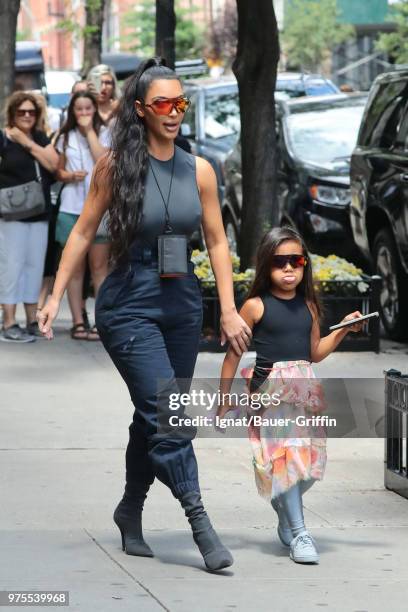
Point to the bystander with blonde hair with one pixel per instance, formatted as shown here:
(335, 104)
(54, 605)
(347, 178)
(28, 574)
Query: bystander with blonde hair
(102, 82)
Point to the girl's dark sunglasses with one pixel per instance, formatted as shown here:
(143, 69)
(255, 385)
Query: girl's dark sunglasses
(281, 261)
(164, 106)
(20, 112)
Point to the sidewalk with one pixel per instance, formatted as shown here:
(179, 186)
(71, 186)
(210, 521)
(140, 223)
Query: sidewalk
(64, 414)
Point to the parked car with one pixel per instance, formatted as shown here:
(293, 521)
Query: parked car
(296, 85)
(125, 64)
(29, 67)
(213, 124)
(379, 191)
(315, 139)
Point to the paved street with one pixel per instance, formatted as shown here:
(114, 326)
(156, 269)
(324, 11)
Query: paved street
(63, 429)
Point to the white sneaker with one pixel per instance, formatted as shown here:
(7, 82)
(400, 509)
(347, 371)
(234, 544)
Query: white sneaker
(303, 549)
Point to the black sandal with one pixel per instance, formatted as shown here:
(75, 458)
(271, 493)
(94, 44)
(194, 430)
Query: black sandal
(93, 332)
(85, 319)
(79, 332)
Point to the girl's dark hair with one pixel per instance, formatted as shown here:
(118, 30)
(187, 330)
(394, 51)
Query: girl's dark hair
(71, 122)
(129, 156)
(267, 248)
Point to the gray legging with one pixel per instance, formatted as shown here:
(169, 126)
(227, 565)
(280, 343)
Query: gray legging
(291, 504)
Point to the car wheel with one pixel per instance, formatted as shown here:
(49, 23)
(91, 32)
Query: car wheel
(394, 295)
(231, 232)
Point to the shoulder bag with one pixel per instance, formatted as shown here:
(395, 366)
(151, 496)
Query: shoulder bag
(22, 201)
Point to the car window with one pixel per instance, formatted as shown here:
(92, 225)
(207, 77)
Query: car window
(319, 87)
(325, 137)
(222, 117)
(296, 88)
(293, 88)
(384, 116)
(401, 141)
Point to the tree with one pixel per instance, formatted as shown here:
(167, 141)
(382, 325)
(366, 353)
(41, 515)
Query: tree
(91, 33)
(255, 68)
(141, 23)
(311, 31)
(8, 28)
(165, 31)
(94, 14)
(224, 34)
(396, 43)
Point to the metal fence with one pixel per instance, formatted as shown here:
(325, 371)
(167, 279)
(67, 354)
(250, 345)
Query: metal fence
(396, 432)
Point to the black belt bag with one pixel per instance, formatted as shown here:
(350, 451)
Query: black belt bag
(172, 255)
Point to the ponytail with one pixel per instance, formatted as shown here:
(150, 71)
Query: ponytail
(129, 157)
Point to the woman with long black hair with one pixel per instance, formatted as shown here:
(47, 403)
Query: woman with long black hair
(149, 309)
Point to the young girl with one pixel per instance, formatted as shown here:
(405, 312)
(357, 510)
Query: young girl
(82, 140)
(283, 311)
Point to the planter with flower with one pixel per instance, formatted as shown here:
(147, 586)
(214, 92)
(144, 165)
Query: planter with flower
(343, 288)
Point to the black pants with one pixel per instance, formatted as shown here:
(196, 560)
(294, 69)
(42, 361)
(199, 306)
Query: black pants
(151, 329)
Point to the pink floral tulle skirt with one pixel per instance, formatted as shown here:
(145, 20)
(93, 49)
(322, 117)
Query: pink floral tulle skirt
(286, 454)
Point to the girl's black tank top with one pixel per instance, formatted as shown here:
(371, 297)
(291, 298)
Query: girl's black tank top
(283, 333)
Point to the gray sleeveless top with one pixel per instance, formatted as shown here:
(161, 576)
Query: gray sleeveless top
(184, 203)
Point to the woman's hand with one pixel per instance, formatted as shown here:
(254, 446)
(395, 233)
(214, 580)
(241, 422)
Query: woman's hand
(92, 89)
(85, 122)
(78, 176)
(223, 408)
(46, 316)
(236, 331)
(358, 326)
(18, 136)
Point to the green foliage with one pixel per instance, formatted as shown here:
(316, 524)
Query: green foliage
(70, 24)
(311, 31)
(141, 25)
(23, 35)
(395, 44)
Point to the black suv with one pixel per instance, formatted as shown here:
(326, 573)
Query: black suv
(379, 191)
(315, 139)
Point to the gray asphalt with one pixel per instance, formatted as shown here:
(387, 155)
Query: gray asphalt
(63, 430)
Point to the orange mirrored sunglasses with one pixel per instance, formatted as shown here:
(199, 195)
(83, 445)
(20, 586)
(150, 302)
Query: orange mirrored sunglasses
(164, 106)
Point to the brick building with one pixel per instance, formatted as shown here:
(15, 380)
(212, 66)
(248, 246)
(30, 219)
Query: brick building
(38, 20)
